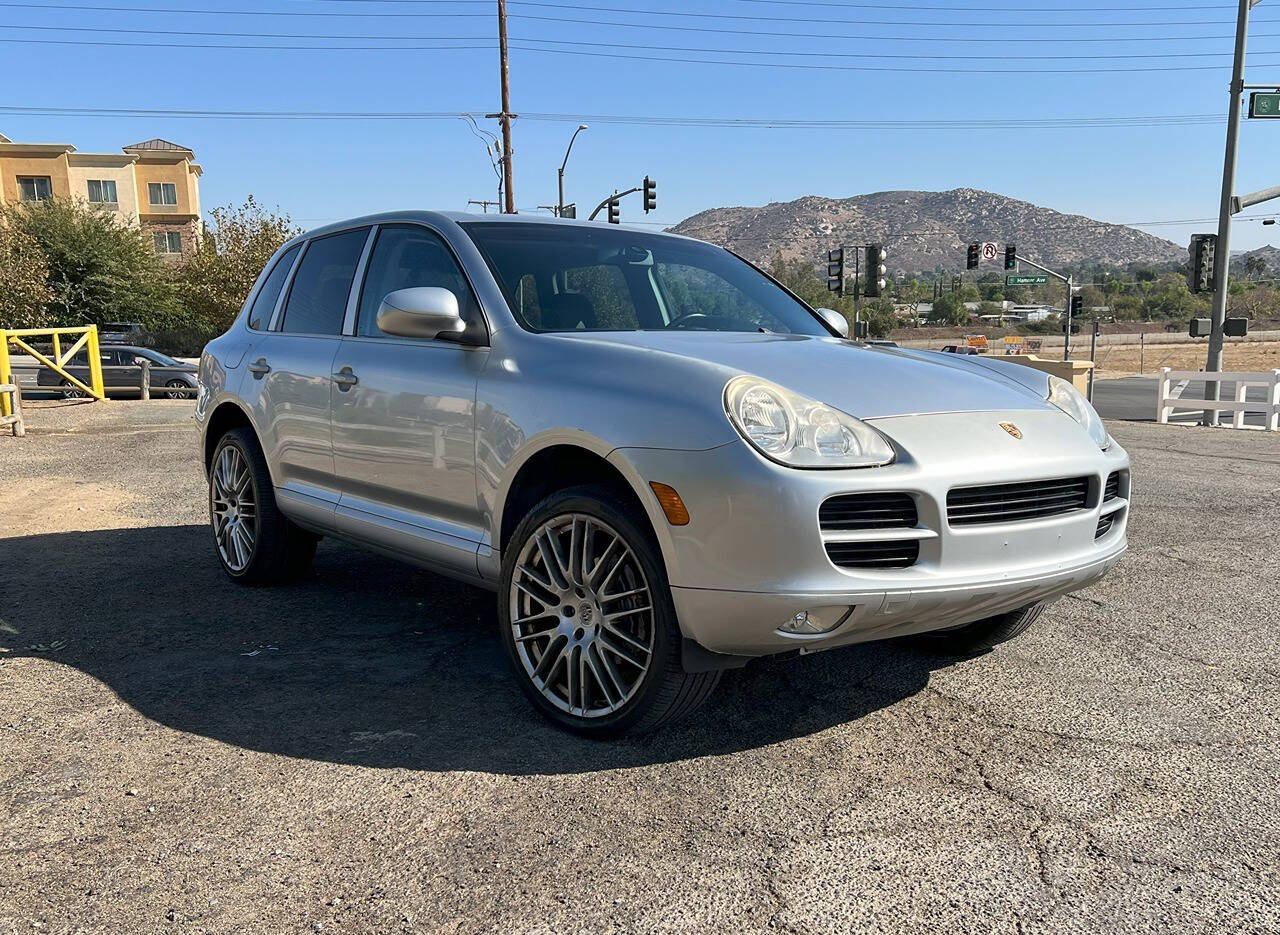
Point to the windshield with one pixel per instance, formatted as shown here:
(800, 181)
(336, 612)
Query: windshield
(163, 360)
(575, 278)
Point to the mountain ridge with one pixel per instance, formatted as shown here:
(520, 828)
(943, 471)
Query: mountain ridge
(924, 230)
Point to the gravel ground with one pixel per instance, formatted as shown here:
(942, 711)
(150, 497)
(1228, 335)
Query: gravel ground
(349, 754)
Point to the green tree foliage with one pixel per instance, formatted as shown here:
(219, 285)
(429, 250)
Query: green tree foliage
(215, 281)
(802, 279)
(24, 281)
(949, 310)
(98, 269)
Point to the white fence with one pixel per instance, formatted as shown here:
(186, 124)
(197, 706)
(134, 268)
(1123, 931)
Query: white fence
(1174, 382)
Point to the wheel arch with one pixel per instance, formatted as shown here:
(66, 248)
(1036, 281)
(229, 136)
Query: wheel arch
(565, 462)
(227, 415)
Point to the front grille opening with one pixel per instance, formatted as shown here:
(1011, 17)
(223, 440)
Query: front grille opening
(1112, 489)
(1012, 503)
(899, 553)
(868, 511)
(1106, 522)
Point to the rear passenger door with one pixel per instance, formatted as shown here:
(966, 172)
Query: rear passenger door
(289, 373)
(404, 411)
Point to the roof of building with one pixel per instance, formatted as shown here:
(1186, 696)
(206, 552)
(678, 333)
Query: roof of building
(157, 145)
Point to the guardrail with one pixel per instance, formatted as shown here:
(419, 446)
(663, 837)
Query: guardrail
(13, 393)
(1169, 396)
(57, 363)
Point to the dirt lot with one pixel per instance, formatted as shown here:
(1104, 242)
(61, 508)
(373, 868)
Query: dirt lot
(1129, 359)
(348, 755)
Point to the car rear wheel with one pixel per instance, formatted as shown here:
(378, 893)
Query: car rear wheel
(983, 635)
(256, 543)
(177, 390)
(71, 391)
(587, 618)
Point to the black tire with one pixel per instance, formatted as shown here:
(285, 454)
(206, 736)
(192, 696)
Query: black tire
(282, 551)
(665, 692)
(982, 635)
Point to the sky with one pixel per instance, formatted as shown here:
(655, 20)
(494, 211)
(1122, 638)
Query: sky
(1050, 101)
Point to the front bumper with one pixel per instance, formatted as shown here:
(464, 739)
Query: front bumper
(753, 554)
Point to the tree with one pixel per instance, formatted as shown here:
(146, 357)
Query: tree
(1255, 266)
(215, 282)
(24, 281)
(949, 310)
(98, 269)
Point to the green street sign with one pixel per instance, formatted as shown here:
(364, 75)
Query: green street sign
(1264, 104)
(1025, 280)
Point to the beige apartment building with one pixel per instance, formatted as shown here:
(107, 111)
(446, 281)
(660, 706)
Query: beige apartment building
(154, 185)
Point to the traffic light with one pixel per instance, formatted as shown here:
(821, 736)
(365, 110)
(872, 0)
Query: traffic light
(835, 270)
(1011, 256)
(1204, 248)
(1235, 327)
(1199, 328)
(974, 249)
(1077, 305)
(956, 283)
(861, 330)
(875, 270)
(650, 194)
(614, 217)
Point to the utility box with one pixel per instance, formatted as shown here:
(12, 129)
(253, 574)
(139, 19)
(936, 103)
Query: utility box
(1235, 327)
(1199, 327)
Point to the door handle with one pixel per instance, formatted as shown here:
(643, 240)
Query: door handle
(259, 367)
(345, 379)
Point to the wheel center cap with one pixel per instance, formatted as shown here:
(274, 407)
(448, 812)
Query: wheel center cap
(586, 613)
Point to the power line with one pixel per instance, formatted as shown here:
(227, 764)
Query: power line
(624, 45)
(250, 48)
(780, 123)
(897, 6)
(876, 68)
(17, 4)
(546, 4)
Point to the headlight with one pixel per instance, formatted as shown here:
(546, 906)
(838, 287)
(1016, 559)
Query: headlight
(799, 432)
(1071, 401)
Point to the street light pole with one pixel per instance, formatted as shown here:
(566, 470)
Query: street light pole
(563, 163)
(1222, 251)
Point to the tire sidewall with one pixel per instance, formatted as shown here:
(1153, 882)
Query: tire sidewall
(597, 503)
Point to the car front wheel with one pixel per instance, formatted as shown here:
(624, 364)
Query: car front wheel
(71, 391)
(256, 543)
(176, 389)
(587, 618)
(983, 635)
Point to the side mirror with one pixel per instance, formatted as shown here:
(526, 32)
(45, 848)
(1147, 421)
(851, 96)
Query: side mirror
(420, 312)
(835, 320)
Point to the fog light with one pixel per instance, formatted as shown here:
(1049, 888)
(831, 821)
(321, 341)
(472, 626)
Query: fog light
(815, 621)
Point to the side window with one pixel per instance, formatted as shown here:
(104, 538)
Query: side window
(406, 256)
(264, 303)
(318, 297)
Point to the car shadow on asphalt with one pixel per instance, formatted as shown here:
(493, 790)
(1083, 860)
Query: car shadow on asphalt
(368, 661)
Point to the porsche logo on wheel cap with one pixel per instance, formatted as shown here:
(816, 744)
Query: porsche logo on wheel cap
(1011, 429)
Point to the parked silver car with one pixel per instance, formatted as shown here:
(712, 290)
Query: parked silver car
(662, 461)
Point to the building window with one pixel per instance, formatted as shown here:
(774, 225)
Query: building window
(162, 193)
(167, 241)
(35, 188)
(102, 191)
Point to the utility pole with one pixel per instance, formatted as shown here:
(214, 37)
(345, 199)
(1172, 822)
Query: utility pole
(1070, 283)
(1222, 252)
(484, 205)
(506, 115)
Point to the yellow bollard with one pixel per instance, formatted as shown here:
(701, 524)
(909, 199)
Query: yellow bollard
(6, 408)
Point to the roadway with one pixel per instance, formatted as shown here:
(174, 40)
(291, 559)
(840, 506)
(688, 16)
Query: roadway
(1134, 399)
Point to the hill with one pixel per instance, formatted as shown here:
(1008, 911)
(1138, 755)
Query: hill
(924, 230)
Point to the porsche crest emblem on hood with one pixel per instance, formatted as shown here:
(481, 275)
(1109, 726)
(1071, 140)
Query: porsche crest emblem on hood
(1011, 429)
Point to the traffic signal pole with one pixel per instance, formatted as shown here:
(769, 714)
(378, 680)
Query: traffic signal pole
(1066, 309)
(1223, 251)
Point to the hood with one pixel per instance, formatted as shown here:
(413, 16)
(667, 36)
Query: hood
(866, 382)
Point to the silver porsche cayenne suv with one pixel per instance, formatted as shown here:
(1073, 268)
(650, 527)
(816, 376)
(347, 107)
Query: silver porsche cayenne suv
(663, 462)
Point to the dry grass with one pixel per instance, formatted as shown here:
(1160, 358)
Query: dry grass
(1125, 359)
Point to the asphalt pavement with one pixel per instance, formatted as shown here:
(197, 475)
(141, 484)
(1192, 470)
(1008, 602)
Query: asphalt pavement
(350, 754)
(1134, 399)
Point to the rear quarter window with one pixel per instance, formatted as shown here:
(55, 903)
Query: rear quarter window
(264, 302)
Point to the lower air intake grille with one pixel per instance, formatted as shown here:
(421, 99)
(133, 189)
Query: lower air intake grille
(868, 511)
(1106, 522)
(1112, 490)
(1011, 503)
(894, 554)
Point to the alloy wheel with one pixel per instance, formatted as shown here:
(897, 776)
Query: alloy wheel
(234, 508)
(176, 389)
(71, 391)
(582, 615)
